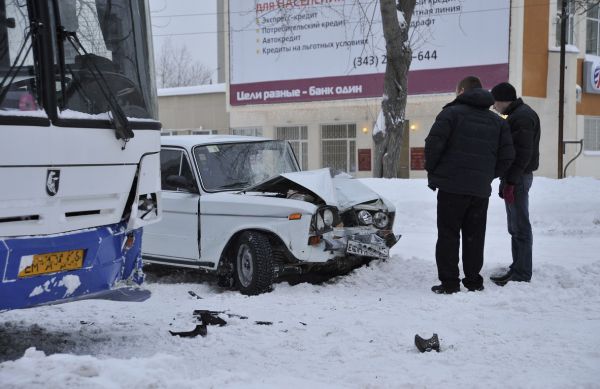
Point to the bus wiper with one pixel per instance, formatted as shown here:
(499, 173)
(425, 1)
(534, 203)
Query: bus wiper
(119, 118)
(12, 72)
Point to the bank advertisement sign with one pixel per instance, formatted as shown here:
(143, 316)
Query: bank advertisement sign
(308, 50)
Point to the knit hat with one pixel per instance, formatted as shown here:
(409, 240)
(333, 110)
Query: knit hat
(504, 92)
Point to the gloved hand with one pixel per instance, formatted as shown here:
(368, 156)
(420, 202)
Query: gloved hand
(432, 187)
(508, 193)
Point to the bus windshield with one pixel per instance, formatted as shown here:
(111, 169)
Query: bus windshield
(104, 46)
(19, 88)
(101, 54)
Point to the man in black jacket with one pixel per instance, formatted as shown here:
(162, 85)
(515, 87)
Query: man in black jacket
(467, 147)
(515, 184)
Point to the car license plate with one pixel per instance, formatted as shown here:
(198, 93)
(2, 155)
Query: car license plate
(52, 263)
(367, 249)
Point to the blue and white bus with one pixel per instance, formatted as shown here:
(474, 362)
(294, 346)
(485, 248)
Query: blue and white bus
(79, 149)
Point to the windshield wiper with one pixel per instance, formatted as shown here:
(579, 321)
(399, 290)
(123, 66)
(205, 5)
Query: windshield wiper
(236, 184)
(119, 118)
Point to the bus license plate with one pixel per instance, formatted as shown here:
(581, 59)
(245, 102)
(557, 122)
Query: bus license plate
(52, 263)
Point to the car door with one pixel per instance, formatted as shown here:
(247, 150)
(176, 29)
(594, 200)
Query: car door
(175, 239)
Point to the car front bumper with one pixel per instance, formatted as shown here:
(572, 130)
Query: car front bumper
(360, 242)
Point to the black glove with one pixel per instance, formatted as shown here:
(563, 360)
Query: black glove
(432, 187)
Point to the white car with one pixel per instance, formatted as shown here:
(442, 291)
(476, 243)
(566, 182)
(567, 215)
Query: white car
(240, 207)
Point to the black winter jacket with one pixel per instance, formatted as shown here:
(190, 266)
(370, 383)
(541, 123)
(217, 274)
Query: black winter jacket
(525, 128)
(468, 146)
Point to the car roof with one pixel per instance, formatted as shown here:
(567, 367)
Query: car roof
(189, 141)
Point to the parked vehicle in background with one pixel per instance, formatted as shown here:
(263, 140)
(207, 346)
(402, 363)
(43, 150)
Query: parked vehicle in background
(241, 208)
(79, 149)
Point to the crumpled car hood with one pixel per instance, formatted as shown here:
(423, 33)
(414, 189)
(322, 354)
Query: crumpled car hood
(341, 191)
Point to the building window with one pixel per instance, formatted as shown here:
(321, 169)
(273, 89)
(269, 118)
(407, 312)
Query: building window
(570, 22)
(246, 131)
(591, 135)
(205, 132)
(338, 147)
(592, 43)
(298, 138)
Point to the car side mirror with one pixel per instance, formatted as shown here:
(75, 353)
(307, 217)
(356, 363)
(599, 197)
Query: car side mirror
(180, 182)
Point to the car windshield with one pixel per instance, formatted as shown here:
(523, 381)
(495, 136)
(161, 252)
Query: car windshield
(235, 166)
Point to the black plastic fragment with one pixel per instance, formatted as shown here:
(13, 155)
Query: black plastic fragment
(423, 345)
(210, 318)
(199, 330)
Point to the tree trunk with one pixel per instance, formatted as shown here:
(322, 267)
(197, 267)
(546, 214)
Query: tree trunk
(388, 143)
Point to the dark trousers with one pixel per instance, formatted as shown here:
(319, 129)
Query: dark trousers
(519, 228)
(458, 214)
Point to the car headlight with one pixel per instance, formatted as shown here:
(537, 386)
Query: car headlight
(320, 222)
(364, 217)
(328, 217)
(380, 220)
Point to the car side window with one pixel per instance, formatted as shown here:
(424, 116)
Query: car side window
(174, 163)
(170, 161)
(186, 170)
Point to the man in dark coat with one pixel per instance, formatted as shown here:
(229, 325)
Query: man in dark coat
(467, 147)
(515, 184)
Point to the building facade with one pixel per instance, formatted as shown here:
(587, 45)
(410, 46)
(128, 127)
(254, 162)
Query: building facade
(193, 110)
(337, 132)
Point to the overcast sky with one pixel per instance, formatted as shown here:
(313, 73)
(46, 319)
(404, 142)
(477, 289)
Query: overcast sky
(192, 23)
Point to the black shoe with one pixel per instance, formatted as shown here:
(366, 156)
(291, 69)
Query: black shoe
(476, 288)
(441, 289)
(503, 279)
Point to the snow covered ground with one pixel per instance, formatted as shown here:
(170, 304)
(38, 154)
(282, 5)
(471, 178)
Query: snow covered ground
(354, 331)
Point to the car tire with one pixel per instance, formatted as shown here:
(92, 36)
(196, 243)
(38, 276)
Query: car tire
(253, 270)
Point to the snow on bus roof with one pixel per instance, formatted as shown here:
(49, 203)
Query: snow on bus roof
(192, 90)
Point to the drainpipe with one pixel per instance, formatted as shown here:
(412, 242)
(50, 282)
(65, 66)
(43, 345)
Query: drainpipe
(561, 89)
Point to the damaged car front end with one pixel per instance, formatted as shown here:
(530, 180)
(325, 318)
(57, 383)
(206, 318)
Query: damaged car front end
(240, 207)
(351, 224)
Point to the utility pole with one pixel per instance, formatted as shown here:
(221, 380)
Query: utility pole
(561, 88)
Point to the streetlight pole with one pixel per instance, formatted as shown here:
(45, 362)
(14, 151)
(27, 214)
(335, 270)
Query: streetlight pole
(561, 88)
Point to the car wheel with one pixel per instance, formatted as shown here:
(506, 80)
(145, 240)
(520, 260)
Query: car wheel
(253, 270)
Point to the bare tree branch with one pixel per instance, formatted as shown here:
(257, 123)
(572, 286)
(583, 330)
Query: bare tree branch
(176, 67)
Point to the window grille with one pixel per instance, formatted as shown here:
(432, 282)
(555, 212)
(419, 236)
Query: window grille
(338, 147)
(246, 131)
(298, 138)
(205, 132)
(591, 137)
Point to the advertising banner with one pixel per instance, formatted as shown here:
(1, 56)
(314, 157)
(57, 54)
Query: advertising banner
(308, 50)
